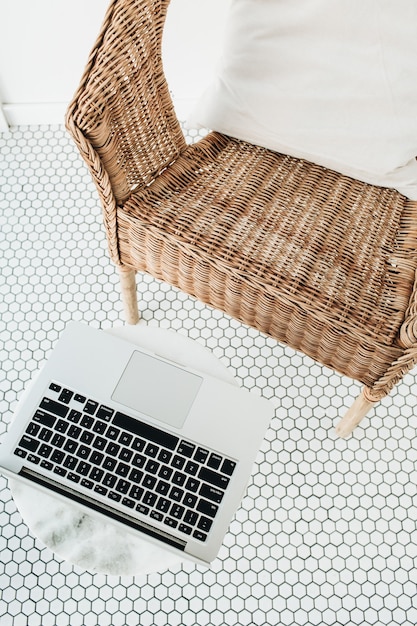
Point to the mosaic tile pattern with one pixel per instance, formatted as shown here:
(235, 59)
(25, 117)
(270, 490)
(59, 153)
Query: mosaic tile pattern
(327, 530)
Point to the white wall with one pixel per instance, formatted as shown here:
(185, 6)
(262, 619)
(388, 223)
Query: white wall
(44, 45)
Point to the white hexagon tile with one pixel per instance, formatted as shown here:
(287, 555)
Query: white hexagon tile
(327, 530)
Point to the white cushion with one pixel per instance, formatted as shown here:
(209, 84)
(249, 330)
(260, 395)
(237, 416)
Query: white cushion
(331, 81)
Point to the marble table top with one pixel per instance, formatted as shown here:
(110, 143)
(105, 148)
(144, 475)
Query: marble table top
(89, 542)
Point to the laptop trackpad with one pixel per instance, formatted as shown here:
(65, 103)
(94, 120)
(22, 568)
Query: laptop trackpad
(157, 389)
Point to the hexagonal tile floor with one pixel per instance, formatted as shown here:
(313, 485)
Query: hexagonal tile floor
(327, 530)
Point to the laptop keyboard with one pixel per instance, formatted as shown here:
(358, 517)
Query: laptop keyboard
(143, 468)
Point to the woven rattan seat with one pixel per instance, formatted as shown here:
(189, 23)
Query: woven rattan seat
(315, 259)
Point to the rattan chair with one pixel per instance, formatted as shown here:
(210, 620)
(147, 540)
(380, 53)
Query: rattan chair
(319, 261)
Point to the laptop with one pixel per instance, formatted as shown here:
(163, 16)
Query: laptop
(155, 446)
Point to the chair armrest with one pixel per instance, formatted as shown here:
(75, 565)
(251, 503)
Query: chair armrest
(407, 335)
(122, 117)
(408, 330)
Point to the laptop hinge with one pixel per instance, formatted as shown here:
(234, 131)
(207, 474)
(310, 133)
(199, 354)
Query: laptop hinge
(102, 508)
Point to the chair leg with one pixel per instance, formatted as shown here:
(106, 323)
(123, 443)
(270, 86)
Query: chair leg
(354, 415)
(129, 297)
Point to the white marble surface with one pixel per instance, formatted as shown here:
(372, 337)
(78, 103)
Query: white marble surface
(90, 542)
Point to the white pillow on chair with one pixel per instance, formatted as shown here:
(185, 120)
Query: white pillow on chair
(330, 81)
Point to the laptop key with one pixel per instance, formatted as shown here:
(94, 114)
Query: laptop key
(74, 431)
(152, 466)
(33, 429)
(70, 462)
(138, 444)
(125, 455)
(165, 472)
(156, 515)
(149, 482)
(125, 439)
(211, 493)
(163, 505)
(32, 458)
(186, 449)
(176, 494)
(178, 462)
(44, 418)
(129, 503)
(57, 456)
(56, 408)
(207, 508)
(184, 528)
(28, 443)
(139, 460)
(214, 478)
(197, 534)
(151, 450)
(109, 463)
(162, 487)
(191, 468)
(99, 427)
(214, 461)
(83, 452)
(87, 421)
(74, 416)
(57, 440)
(112, 495)
(96, 474)
(192, 484)
(45, 434)
(96, 457)
(61, 426)
(165, 456)
(109, 480)
(99, 443)
(136, 492)
(135, 475)
(177, 511)
(228, 467)
(112, 433)
(87, 437)
(204, 523)
(90, 407)
(70, 446)
(21, 453)
(122, 469)
(105, 413)
(149, 498)
(201, 455)
(112, 448)
(122, 486)
(146, 431)
(65, 396)
(189, 500)
(83, 468)
(169, 521)
(179, 479)
(45, 451)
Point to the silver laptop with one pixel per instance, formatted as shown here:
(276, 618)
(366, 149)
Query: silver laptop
(153, 445)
